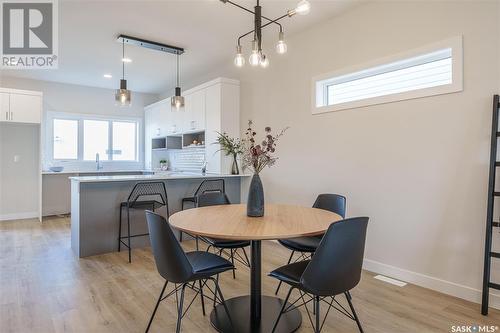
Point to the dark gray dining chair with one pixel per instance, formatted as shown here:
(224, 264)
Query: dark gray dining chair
(230, 247)
(183, 269)
(334, 269)
(306, 246)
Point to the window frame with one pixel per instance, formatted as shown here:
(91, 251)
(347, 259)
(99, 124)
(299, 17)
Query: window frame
(52, 140)
(320, 83)
(81, 162)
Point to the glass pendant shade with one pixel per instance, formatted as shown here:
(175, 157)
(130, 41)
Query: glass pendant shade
(177, 101)
(123, 97)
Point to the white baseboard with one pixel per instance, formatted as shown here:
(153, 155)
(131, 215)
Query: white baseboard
(443, 286)
(18, 216)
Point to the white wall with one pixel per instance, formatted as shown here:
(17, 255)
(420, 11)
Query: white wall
(417, 168)
(69, 98)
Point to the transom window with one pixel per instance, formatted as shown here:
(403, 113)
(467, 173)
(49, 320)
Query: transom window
(432, 70)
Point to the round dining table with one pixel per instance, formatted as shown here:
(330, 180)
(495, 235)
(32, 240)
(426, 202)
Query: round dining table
(254, 313)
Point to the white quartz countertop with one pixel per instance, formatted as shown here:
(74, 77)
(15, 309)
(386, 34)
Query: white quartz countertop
(69, 172)
(156, 176)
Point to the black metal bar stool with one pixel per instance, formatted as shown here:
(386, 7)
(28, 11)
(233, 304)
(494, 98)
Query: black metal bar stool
(206, 186)
(153, 195)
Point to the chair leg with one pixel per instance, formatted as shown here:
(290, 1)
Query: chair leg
(120, 230)
(202, 298)
(223, 301)
(216, 281)
(156, 307)
(197, 244)
(180, 236)
(246, 257)
(283, 307)
(179, 310)
(232, 261)
(288, 263)
(316, 305)
(128, 236)
(356, 318)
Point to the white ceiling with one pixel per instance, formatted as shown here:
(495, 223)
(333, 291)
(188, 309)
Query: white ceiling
(207, 29)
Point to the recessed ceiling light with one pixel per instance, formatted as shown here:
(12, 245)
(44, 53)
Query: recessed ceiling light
(108, 76)
(126, 60)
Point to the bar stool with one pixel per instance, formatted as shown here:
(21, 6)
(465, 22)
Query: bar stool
(153, 195)
(208, 185)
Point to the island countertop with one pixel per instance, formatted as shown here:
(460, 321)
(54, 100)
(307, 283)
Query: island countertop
(157, 176)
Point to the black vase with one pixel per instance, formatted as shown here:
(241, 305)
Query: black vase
(255, 202)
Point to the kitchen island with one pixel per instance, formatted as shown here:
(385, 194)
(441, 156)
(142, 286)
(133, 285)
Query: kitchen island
(95, 206)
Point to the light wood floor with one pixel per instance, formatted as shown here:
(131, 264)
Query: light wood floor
(44, 288)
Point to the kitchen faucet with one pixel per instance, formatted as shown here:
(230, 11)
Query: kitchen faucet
(98, 162)
(204, 168)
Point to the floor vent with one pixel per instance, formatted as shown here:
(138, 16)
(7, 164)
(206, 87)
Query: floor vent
(391, 281)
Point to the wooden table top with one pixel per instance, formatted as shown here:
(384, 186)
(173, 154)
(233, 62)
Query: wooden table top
(232, 222)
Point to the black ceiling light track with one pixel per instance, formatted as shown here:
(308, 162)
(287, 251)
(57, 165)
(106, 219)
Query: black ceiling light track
(148, 44)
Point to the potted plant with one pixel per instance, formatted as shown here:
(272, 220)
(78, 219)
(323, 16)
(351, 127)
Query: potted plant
(256, 156)
(231, 147)
(163, 165)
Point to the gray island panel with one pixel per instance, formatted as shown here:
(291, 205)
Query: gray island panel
(95, 207)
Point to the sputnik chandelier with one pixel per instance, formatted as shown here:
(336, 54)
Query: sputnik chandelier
(257, 57)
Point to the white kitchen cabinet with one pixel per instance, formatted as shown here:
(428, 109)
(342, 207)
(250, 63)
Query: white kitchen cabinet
(4, 106)
(222, 116)
(194, 113)
(20, 106)
(25, 108)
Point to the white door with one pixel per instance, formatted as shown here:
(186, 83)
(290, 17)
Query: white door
(4, 107)
(25, 108)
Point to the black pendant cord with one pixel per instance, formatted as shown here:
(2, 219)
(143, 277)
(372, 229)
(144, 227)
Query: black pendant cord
(178, 72)
(123, 60)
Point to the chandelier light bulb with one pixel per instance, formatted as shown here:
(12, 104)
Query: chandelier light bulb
(254, 59)
(303, 7)
(281, 45)
(239, 60)
(264, 61)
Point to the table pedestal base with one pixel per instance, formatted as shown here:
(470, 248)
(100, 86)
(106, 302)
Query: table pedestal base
(239, 309)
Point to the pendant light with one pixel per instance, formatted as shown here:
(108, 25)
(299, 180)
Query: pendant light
(257, 56)
(177, 100)
(123, 96)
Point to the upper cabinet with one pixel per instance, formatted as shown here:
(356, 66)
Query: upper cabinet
(194, 111)
(20, 106)
(210, 108)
